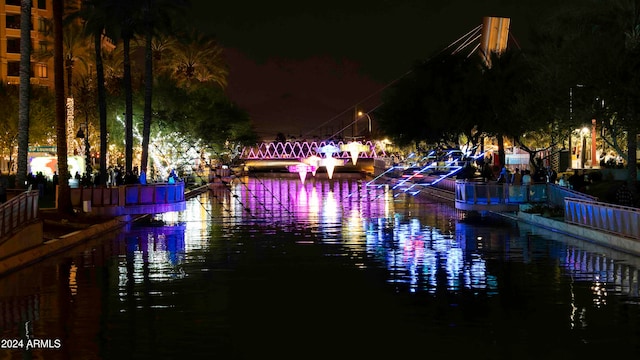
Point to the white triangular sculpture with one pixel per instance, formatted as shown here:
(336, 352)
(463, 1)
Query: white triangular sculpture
(330, 164)
(302, 171)
(354, 150)
(314, 163)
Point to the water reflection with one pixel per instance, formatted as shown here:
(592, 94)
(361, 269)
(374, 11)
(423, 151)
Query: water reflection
(269, 260)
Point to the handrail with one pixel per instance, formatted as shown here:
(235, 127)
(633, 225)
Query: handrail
(494, 193)
(610, 218)
(17, 212)
(558, 193)
(129, 195)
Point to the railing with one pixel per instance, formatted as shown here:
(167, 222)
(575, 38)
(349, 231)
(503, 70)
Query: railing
(154, 194)
(614, 219)
(492, 193)
(447, 184)
(128, 195)
(557, 194)
(17, 212)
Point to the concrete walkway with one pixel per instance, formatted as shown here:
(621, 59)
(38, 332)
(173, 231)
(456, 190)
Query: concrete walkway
(59, 235)
(60, 243)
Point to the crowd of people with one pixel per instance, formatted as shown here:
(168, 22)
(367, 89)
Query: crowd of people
(116, 176)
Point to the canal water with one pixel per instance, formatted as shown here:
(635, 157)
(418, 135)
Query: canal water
(330, 269)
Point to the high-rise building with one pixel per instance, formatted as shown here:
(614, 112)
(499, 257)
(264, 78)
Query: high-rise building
(41, 42)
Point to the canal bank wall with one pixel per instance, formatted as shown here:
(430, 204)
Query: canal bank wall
(35, 243)
(613, 241)
(50, 247)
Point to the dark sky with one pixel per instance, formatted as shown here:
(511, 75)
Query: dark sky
(298, 66)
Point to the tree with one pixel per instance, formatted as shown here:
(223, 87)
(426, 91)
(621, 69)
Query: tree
(127, 12)
(25, 87)
(599, 43)
(64, 192)
(9, 102)
(502, 86)
(421, 105)
(76, 48)
(202, 117)
(94, 15)
(195, 58)
(155, 14)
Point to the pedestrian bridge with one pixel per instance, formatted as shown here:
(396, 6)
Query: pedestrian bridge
(130, 199)
(470, 195)
(305, 149)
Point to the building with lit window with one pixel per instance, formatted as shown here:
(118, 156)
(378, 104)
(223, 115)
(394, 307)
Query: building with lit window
(41, 41)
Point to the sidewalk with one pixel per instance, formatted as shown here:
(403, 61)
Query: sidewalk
(60, 234)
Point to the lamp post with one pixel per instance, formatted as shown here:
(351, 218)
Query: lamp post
(85, 135)
(583, 149)
(360, 114)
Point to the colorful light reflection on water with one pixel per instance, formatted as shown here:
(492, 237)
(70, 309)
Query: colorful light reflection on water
(277, 267)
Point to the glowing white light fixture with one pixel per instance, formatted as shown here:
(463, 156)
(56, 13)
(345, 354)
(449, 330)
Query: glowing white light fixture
(329, 161)
(302, 171)
(330, 164)
(314, 162)
(328, 150)
(354, 148)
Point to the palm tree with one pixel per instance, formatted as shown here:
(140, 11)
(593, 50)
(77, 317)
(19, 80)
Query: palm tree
(76, 48)
(25, 85)
(95, 15)
(125, 15)
(64, 193)
(195, 58)
(105, 20)
(155, 15)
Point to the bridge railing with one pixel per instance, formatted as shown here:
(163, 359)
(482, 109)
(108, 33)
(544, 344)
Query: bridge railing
(492, 193)
(304, 149)
(17, 212)
(558, 193)
(614, 219)
(128, 195)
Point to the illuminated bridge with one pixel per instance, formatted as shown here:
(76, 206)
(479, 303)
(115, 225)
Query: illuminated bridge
(304, 149)
(293, 153)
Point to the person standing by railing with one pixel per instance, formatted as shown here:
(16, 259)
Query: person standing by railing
(526, 184)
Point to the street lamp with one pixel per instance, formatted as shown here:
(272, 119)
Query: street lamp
(360, 114)
(85, 135)
(583, 151)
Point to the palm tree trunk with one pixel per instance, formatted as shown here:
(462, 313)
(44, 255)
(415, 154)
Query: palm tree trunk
(64, 193)
(102, 104)
(25, 86)
(128, 105)
(148, 85)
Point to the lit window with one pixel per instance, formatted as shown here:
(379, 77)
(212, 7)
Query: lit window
(42, 70)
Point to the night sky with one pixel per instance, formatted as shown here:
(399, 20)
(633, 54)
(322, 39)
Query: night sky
(301, 67)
